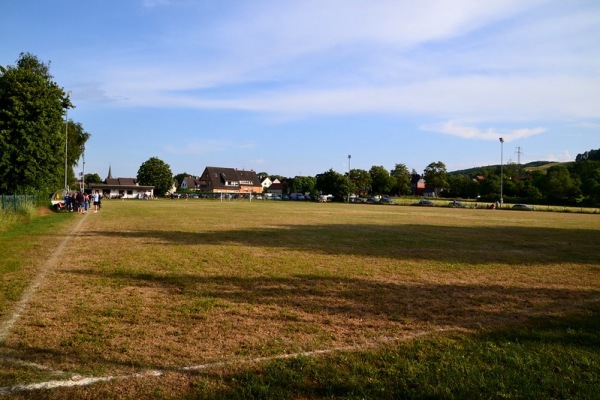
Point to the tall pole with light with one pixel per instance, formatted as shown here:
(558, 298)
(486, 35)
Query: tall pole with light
(501, 172)
(349, 157)
(66, 139)
(83, 169)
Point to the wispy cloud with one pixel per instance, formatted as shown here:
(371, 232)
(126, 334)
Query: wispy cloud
(471, 132)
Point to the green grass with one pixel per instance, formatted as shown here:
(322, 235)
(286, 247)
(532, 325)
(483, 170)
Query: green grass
(550, 359)
(420, 302)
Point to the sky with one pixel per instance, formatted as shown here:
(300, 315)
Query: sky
(298, 87)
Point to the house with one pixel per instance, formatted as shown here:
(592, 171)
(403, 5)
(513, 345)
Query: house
(229, 180)
(417, 185)
(123, 188)
(190, 183)
(277, 188)
(266, 183)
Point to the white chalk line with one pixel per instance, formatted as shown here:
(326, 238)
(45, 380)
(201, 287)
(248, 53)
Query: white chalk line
(79, 380)
(7, 325)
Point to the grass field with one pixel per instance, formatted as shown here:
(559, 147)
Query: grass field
(208, 299)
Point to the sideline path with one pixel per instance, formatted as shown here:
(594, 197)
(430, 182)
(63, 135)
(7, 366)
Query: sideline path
(7, 325)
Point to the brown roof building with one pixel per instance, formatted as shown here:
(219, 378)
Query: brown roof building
(229, 180)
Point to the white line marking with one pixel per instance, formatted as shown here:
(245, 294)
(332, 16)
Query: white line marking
(6, 326)
(78, 380)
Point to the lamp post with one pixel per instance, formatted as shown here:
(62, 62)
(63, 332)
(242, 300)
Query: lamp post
(66, 139)
(83, 169)
(501, 172)
(349, 157)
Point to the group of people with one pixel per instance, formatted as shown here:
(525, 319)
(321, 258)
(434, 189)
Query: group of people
(80, 202)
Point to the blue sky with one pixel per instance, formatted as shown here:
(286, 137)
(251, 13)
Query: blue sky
(294, 87)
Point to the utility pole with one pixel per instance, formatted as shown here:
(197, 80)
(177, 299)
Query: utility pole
(501, 172)
(66, 139)
(519, 153)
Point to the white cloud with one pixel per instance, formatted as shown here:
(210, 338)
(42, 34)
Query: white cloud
(471, 132)
(444, 60)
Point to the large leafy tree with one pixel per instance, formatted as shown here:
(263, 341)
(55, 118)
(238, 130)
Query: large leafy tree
(32, 130)
(402, 176)
(559, 185)
(334, 183)
(157, 173)
(381, 180)
(92, 178)
(302, 184)
(436, 177)
(361, 180)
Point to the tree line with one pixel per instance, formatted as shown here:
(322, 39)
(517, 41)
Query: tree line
(575, 183)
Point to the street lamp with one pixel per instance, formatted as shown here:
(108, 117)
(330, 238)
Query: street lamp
(501, 171)
(83, 170)
(349, 157)
(66, 139)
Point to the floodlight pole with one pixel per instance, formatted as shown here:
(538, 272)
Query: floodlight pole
(83, 169)
(349, 157)
(501, 172)
(66, 139)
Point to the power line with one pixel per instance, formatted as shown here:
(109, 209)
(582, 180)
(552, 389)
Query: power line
(519, 153)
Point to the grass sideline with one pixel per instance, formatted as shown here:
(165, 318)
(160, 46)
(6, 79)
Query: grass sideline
(164, 285)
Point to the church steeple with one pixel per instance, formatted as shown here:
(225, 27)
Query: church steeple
(109, 173)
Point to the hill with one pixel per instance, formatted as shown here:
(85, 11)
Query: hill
(531, 166)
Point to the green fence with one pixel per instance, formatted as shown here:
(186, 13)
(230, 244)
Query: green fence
(14, 202)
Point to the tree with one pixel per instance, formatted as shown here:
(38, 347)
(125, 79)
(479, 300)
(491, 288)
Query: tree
(592, 155)
(302, 184)
(559, 185)
(435, 176)
(334, 183)
(361, 180)
(463, 186)
(157, 173)
(382, 182)
(77, 137)
(32, 130)
(92, 178)
(403, 177)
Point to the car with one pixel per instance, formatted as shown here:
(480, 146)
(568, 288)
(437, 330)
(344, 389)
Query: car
(426, 203)
(457, 204)
(386, 200)
(522, 207)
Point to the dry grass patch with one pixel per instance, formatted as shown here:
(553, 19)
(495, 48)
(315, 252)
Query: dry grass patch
(169, 284)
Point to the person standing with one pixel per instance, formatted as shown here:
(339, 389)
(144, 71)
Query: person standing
(96, 201)
(80, 199)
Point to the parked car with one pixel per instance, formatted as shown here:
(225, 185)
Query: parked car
(522, 207)
(426, 203)
(386, 200)
(457, 204)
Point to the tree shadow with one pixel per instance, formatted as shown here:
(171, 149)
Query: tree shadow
(479, 245)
